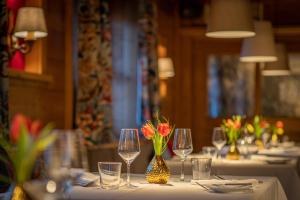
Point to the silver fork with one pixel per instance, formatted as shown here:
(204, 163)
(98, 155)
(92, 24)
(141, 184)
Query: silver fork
(203, 186)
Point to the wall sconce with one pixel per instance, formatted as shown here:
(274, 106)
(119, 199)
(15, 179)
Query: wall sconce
(30, 26)
(165, 68)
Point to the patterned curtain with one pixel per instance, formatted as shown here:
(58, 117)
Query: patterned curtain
(148, 96)
(4, 123)
(94, 95)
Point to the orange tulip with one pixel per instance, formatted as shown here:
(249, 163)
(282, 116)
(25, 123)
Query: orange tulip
(279, 124)
(164, 129)
(148, 131)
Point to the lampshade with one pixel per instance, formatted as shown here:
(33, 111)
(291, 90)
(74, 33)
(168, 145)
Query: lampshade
(260, 48)
(281, 66)
(230, 19)
(165, 67)
(30, 23)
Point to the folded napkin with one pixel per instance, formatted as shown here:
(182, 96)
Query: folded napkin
(226, 182)
(87, 178)
(226, 186)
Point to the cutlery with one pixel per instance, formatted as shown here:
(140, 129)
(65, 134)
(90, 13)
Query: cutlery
(204, 187)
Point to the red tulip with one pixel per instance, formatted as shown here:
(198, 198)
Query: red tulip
(164, 129)
(35, 128)
(18, 121)
(279, 124)
(148, 131)
(263, 124)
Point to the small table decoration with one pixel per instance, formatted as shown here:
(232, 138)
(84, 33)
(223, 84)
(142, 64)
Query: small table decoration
(232, 128)
(260, 127)
(159, 132)
(27, 140)
(276, 130)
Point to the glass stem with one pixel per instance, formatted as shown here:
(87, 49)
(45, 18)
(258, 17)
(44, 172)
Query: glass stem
(128, 174)
(182, 170)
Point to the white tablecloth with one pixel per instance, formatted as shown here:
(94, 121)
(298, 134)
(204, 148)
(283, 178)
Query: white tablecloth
(270, 189)
(286, 173)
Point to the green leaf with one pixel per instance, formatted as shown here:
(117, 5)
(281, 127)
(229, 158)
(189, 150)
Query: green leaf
(44, 142)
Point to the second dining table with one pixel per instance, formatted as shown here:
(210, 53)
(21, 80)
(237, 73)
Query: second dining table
(286, 173)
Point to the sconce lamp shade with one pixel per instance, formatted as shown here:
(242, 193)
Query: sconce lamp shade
(230, 19)
(261, 47)
(281, 66)
(30, 23)
(165, 68)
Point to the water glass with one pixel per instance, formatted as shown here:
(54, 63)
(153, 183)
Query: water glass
(110, 173)
(201, 168)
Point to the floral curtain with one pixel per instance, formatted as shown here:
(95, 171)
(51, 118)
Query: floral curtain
(148, 96)
(3, 69)
(94, 96)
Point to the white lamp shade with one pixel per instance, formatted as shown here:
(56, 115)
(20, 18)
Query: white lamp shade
(281, 66)
(30, 23)
(165, 68)
(261, 47)
(230, 19)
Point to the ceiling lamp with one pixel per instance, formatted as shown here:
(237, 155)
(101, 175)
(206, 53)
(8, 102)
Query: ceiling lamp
(281, 66)
(260, 48)
(30, 23)
(230, 19)
(165, 68)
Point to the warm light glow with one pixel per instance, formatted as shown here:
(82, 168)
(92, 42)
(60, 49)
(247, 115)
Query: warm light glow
(51, 186)
(30, 23)
(261, 47)
(26, 34)
(258, 59)
(165, 67)
(230, 34)
(230, 19)
(276, 72)
(281, 66)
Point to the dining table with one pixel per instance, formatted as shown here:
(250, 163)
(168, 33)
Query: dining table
(286, 172)
(268, 188)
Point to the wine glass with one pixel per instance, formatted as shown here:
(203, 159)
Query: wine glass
(182, 146)
(129, 148)
(218, 139)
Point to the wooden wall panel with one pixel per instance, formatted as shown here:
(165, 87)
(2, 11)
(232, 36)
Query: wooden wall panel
(186, 101)
(45, 100)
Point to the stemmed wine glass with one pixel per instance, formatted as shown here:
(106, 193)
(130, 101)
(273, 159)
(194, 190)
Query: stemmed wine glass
(218, 139)
(182, 146)
(129, 148)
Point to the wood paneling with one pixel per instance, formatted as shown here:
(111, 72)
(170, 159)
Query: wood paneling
(40, 99)
(186, 101)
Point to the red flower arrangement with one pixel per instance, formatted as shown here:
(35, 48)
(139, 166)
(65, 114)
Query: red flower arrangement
(159, 134)
(27, 139)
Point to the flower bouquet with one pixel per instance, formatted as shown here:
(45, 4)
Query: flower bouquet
(233, 129)
(276, 130)
(159, 132)
(27, 140)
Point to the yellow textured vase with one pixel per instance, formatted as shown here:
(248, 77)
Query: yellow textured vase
(259, 144)
(19, 193)
(157, 171)
(233, 153)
